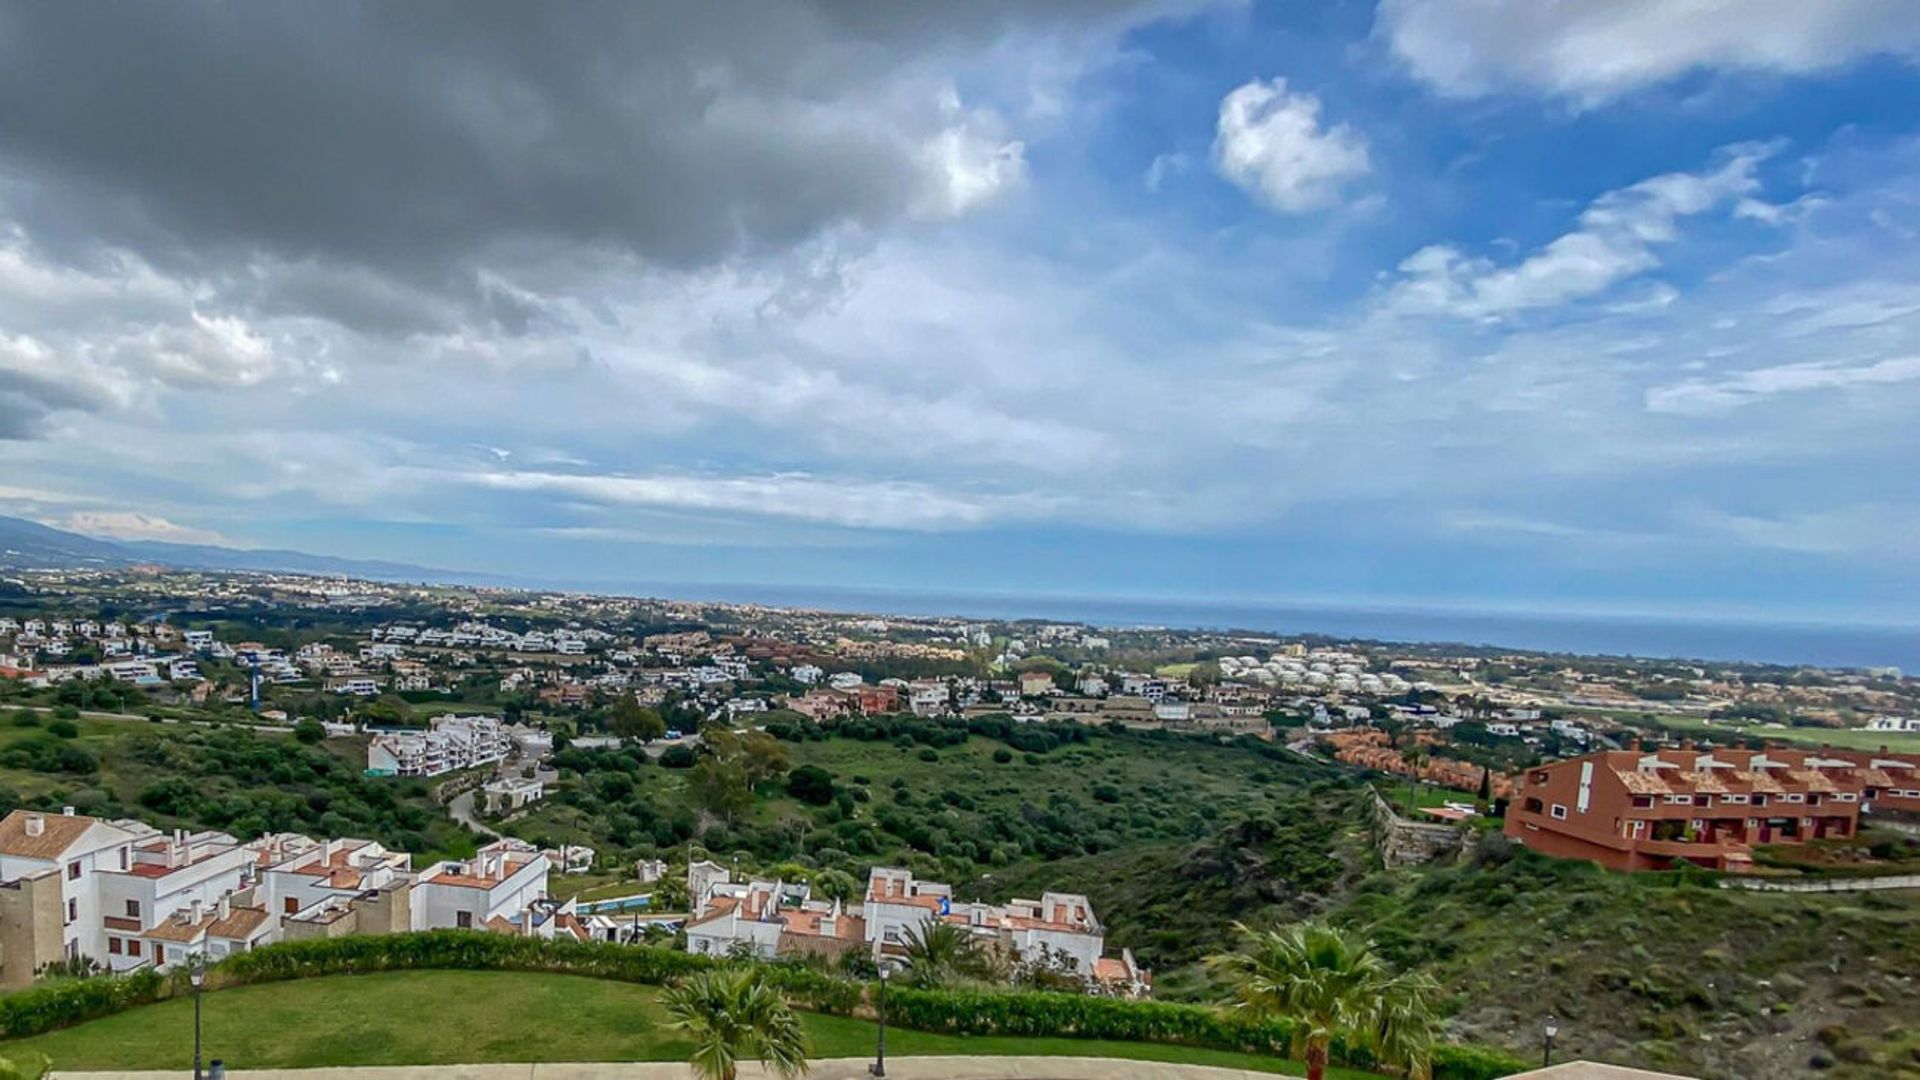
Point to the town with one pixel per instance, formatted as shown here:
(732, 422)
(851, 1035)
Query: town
(853, 793)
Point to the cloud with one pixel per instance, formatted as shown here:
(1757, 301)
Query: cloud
(382, 162)
(797, 497)
(1270, 143)
(118, 525)
(1724, 394)
(1592, 53)
(1866, 529)
(1617, 238)
(37, 381)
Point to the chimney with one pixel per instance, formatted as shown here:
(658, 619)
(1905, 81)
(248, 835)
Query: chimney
(224, 909)
(66, 811)
(198, 910)
(36, 825)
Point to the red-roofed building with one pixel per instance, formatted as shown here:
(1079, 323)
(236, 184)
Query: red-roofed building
(1634, 810)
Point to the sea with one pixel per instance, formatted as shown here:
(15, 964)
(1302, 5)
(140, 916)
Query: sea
(1832, 645)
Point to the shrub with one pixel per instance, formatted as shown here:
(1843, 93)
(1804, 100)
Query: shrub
(1002, 756)
(65, 729)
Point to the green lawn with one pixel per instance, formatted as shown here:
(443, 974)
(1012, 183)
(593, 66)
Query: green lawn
(1845, 738)
(472, 1017)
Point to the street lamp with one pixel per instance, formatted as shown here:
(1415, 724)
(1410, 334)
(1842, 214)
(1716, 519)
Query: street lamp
(197, 975)
(879, 1066)
(1550, 1029)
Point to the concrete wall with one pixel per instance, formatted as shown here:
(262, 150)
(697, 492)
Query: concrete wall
(31, 910)
(1410, 843)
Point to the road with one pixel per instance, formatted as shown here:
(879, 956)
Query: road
(460, 809)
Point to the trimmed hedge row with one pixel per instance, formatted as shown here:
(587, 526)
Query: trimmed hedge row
(58, 1005)
(963, 1012)
(41, 1009)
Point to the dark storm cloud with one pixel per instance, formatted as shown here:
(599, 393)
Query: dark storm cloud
(421, 140)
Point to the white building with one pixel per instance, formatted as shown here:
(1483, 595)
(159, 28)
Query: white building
(490, 891)
(451, 742)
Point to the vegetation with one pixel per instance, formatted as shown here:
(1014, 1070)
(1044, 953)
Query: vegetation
(229, 778)
(996, 797)
(493, 1016)
(734, 1013)
(1332, 987)
(56, 1006)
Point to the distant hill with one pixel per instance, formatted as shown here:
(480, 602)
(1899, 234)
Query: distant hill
(30, 545)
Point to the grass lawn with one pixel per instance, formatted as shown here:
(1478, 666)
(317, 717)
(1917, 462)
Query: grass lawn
(475, 1017)
(1395, 791)
(1845, 738)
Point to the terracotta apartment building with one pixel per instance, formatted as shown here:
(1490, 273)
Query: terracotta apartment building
(1642, 810)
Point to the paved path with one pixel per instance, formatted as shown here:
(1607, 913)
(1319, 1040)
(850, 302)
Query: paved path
(901, 1068)
(460, 809)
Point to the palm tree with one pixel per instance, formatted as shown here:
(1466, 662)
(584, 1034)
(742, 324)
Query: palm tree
(1334, 987)
(733, 1013)
(938, 952)
(1415, 756)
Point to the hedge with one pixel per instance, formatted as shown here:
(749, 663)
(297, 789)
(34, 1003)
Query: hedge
(1015, 1013)
(964, 1012)
(62, 1004)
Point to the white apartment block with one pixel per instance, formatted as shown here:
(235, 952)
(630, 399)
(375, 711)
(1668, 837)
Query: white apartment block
(772, 919)
(449, 743)
(130, 897)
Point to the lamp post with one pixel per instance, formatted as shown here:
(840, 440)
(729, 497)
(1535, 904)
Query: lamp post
(879, 1066)
(197, 975)
(1550, 1029)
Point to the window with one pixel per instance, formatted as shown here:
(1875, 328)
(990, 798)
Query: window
(133, 946)
(1559, 812)
(113, 946)
(1759, 800)
(123, 858)
(133, 909)
(463, 919)
(73, 871)
(1539, 777)
(291, 904)
(1642, 802)
(73, 911)
(159, 954)
(1534, 806)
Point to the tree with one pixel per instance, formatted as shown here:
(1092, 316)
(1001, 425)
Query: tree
(733, 1014)
(811, 784)
(836, 885)
(631, 720)
(939, 952)
(1415, 756)
(720, 787)
(309, 731)
(1333, 987)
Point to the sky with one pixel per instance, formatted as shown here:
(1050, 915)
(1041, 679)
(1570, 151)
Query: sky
(1531, 305)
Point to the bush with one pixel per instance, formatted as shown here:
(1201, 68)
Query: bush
(309, 731)
(44, 1008)
(65, 729)
(678, 756)
(1002, 756)
(811, 784)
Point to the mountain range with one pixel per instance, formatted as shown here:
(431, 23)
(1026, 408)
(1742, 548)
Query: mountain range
(30, 545)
